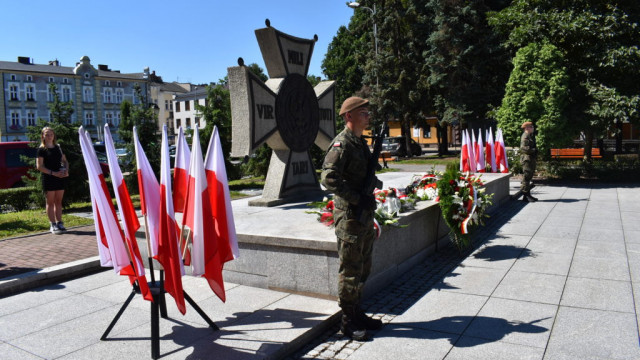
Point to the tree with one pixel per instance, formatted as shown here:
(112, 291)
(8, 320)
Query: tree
(77, 188)
(599, 41)
(467, 67)
(537, 91)
(143, 117)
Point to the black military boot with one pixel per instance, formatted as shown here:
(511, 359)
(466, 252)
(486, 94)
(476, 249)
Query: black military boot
(350, 325)
(368, 322)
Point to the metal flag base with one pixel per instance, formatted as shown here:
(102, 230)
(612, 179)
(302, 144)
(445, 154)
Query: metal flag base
(158, 308)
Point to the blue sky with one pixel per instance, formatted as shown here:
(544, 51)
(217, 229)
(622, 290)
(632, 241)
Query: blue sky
(187, 41)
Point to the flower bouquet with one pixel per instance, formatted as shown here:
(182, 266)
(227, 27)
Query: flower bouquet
(463, 201)
(424, 187)
(325, 211)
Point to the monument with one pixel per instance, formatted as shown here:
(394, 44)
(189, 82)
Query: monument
(286, 112)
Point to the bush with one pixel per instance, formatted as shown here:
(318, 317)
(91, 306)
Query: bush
(16, 199)
(622, 169)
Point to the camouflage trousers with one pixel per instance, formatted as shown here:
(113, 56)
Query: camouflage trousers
(528, 168)
(355, 247)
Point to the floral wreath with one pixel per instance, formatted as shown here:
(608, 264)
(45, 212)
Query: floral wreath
(463, 202)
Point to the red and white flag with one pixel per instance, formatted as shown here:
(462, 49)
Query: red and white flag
(221, 198)
(128, 215)
(464, 153)
(149, 195)
(472, 151)
(480, 154)
(501, 153)
(110, 238)
(168, 252)
(199, 217)
(180, 172)
(489, 149)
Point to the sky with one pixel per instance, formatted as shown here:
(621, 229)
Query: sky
(186, 41)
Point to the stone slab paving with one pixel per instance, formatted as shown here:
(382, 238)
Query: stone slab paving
(553, 279)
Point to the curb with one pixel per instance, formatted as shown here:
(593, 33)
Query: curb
(27, 281)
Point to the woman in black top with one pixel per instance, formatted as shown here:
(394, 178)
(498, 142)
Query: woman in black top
(53, 165)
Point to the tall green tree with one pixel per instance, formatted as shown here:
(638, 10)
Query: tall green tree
(468, 67)
(66, 131)
(599, 40)
(537, 91)
(143, 116)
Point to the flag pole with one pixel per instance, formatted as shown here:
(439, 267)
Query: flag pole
(146, 236)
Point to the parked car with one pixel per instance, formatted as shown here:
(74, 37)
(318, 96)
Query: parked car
(12, 166)
(396, 146)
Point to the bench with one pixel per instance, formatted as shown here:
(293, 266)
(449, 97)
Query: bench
(574, 153)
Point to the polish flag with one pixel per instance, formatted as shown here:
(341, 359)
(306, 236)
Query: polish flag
(199, 217)
(181, 172)
(168, 253)
(489, 149)
(221, 198)
(149, 195)
(480, 153)
(501, 153)
(128, 215)
(110, 238)
(464, 154)
(472, 151)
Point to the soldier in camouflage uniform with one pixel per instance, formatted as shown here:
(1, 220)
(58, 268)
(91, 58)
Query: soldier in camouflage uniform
(528, 154)
(343, 172)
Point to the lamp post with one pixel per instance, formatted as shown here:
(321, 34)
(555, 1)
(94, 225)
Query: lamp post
(355, 5)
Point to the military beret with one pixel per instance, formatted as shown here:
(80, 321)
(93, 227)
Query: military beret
(526, 123)
(352, 103)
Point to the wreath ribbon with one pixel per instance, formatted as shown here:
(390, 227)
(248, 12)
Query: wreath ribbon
(471, 208)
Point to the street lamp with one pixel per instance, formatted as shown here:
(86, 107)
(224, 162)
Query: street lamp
(355, 5)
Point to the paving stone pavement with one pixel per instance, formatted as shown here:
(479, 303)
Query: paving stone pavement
(555, 279)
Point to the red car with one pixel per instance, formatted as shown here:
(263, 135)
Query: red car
(12, 166)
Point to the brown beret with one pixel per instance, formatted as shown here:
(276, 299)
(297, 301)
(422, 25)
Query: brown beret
(352, 103)
(526, 123)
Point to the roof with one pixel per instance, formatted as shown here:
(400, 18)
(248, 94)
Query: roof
(199, 93)
(172, 87)
(8, 66)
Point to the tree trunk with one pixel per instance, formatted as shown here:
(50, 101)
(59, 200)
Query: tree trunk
(588, 144)
(445, 139)
(438, 136)
(619, 137)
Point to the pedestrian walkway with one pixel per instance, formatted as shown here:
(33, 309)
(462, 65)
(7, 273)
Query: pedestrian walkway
(555, 279)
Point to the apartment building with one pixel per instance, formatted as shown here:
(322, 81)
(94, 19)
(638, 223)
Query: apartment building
(184, 111)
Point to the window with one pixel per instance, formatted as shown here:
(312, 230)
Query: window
(119, 83)
(29, 78)
(15, 121)
(50, 79)
(107, 96)
(118, 119)
(50, 95)
(13, 77)
(108, 119)
(187, 123)
(178, 123)
(166, 104)
(196, 122)
(177, 106)
(119, 96)
(107, 83)
(187, 105)
(66, 94)
(427, 132)
(87, 94)
(31, 119)
(88, 118)
(65, 81)
(13, 92)
(30, 91)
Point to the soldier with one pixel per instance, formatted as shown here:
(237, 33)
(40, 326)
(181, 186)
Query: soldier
(528, 153)
(344, 172)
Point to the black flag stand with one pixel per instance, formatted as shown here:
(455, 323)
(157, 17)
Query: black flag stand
(158, 309)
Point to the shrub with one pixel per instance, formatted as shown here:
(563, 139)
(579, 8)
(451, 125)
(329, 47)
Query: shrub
(16, 199)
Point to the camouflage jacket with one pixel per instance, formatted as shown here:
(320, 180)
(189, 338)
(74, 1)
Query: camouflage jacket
(528, 149)
(344, 169)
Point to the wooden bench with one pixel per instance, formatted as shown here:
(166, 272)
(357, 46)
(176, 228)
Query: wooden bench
(386, 156)
(574, 153)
